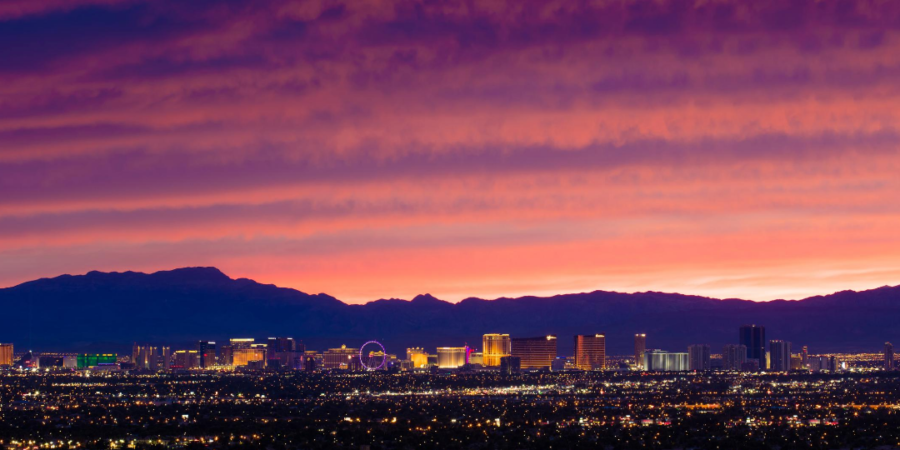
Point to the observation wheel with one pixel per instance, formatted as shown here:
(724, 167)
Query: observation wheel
(372, 355)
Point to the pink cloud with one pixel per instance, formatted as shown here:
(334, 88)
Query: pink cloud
(548, 145)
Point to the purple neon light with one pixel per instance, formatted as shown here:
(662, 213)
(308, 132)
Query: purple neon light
(383, 353)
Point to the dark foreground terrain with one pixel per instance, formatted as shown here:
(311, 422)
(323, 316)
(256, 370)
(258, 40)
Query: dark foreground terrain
(470, 411)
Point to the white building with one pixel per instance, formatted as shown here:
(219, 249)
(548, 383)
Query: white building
(663, 361)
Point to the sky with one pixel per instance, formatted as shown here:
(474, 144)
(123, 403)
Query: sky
(377, 149)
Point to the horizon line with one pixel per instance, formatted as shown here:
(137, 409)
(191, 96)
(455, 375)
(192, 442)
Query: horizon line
(545, 295)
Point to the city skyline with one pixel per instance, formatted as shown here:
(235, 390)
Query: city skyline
(525, 354)
(589, 353)
(451, 224)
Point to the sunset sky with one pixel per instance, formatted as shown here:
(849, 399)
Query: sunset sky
(375, 149)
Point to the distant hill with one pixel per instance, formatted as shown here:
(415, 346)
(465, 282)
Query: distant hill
(107, 311)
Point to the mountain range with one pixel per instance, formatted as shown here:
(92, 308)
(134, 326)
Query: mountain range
(108, 311)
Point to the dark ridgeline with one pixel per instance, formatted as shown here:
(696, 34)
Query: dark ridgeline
(109, 311)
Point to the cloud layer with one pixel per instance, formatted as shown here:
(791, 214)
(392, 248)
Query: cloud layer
(387, 148)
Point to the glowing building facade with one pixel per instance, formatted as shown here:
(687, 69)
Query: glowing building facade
(241, 342)
(87, 360)
(495, 346)
(590, 351)
(256, 353)
(663, 361)
(187, 359)
(534, 353)
(226, 355)
(451, 357)
(148, 357)
(145, 357)
(417, 357)
(207, 352)
(6, 354)
(339, 358)
(640, 346)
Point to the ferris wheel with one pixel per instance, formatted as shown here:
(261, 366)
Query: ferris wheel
(372, 355)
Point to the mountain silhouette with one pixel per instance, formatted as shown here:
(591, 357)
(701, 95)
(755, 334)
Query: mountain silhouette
(108, 311)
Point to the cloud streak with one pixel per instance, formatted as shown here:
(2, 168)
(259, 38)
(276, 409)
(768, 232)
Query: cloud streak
(392, 143)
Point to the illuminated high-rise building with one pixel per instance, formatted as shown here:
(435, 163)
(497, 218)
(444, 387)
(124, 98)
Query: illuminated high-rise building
(663, 361)
(534, 352)
(152, 360)
(241, 342)
(281, 344)
(6, 354)
(70, 361)
(166, 357)
(145, 357)
(640, 346)
(339, 358)
(138, 356)
(590, 351)
(283, 352)
(89, 360)
(754, 338)
(698, 357)
(889, 356)
(495, 346)
(244, 356)
(187, 359)
(451, 357)
(226, 355)
(417, 356)
(733, 357)
(780, 355)
(207, 352)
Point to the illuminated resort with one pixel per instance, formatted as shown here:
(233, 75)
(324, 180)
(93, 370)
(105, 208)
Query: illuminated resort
(276, 392)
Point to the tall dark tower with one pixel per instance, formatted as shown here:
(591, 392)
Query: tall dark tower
(207, 351)
(888, 356)
(754, 338)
